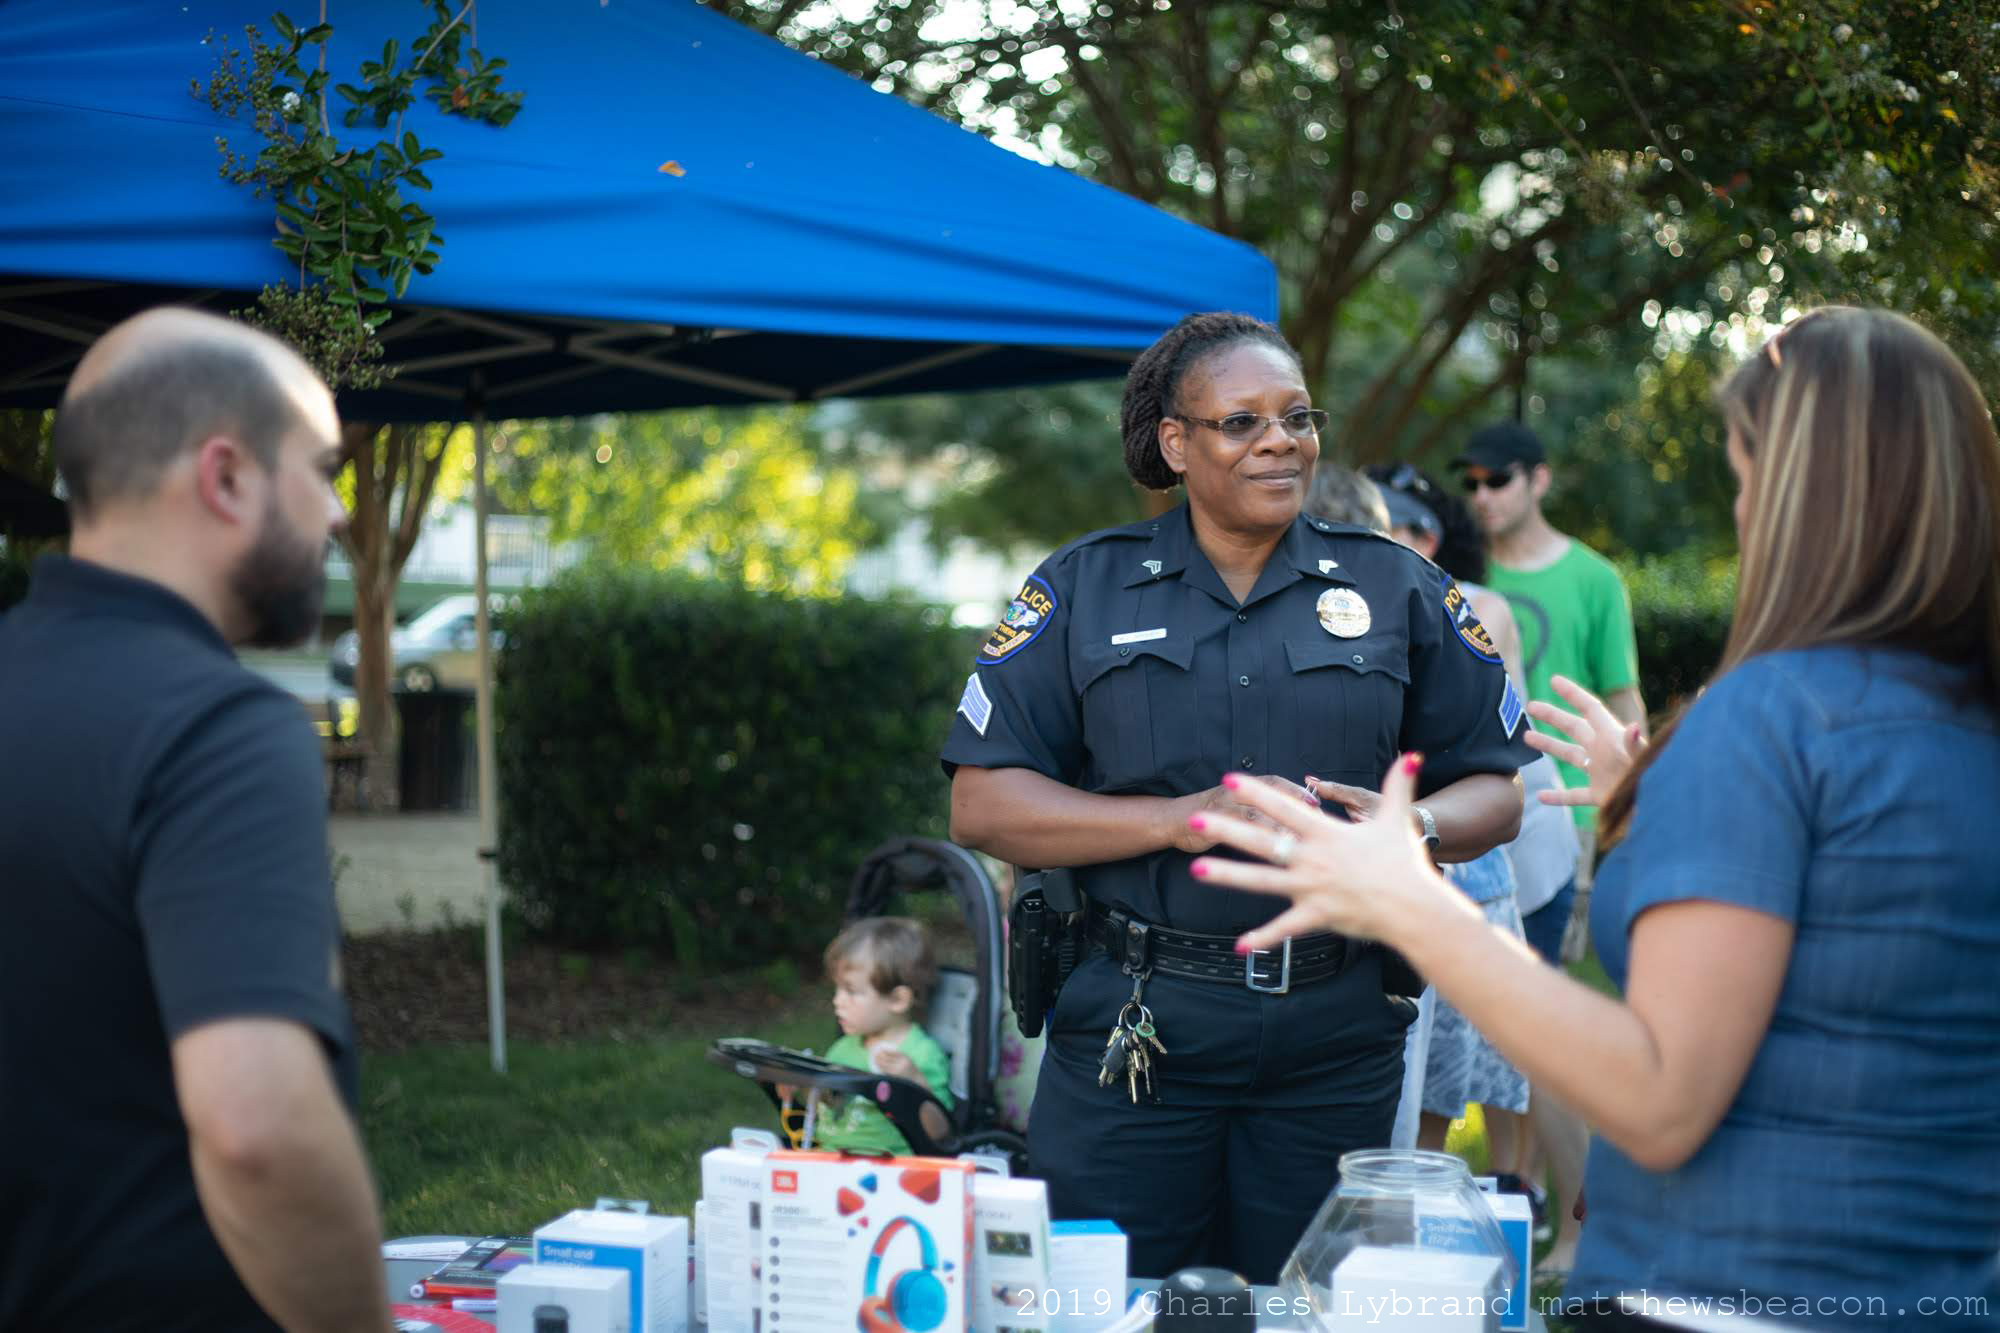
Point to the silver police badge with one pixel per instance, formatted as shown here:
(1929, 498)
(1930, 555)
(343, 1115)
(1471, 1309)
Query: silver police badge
(1343, 613)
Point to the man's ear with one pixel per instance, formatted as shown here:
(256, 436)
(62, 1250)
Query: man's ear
(229, 482)
(1538, 481)
(902, 1000)
(1173, 444)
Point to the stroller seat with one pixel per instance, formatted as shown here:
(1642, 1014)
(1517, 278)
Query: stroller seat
(964, 1012)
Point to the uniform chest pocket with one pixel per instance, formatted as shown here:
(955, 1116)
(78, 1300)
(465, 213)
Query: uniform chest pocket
(1138, 703)
(1347, 698)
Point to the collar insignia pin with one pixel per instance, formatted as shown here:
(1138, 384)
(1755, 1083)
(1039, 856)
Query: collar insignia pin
(1153, 567)
(1328, 566)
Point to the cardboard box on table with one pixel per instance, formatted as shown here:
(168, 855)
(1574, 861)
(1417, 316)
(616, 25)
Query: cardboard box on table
(653, 1249)
(1088, 1264)
(590, 1300)
(1010, 1255)
(727, 1231)
(876, 1243)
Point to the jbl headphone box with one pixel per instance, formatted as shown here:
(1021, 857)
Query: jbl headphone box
(878, 1244)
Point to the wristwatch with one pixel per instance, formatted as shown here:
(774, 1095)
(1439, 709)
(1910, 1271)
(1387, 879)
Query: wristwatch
(1430, 828)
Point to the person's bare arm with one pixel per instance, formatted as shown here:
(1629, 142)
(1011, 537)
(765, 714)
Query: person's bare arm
(1628, 707)
(1654, 1072)
(279, 1169)
(1027, 819)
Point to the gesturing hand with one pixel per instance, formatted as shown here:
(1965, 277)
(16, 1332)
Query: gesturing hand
(1359, 879)
(1602, 746)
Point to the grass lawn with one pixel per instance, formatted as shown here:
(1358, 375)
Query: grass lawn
(460, 1149)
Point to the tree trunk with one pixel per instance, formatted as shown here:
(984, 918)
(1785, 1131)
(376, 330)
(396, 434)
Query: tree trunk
(374, 619)
(367, 541)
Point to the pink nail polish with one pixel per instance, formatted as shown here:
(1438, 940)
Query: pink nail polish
(1199, 869)
(1243, 946)
(1197, 822)
(1412, 762)
(1231, 781)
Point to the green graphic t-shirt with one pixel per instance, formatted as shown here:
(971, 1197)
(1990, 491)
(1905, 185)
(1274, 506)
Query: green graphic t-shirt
(857, 1125)
(1576, 621)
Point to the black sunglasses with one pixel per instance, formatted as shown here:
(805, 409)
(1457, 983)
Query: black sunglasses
(1250, 426)
(1492, 481)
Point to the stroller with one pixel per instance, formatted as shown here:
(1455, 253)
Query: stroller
(964, 1016)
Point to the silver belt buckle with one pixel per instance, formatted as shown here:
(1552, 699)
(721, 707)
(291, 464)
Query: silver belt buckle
(1284, 970)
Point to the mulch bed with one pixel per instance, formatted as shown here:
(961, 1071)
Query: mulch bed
(425, 988)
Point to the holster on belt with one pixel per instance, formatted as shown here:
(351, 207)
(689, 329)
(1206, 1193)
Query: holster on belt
(1045, 940)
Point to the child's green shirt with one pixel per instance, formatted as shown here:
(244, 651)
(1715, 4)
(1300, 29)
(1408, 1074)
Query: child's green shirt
(858, 1125)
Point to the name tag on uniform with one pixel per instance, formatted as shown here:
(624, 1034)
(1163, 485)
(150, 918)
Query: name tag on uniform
(978, 709)
(1139, 636)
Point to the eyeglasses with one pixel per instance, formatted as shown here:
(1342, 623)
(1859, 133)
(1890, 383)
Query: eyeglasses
(1492, 481)
(1241, 426)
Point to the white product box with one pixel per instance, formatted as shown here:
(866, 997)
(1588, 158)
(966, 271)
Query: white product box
(1087, 1267)
(654, 1250)
(590, 1300)
(726, 1234)
(878, 1244)
(698, 1266)
(1010, 1254)
(1417, 1291)
(1516, 1217)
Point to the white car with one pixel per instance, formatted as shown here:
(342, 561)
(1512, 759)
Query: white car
(438, 650)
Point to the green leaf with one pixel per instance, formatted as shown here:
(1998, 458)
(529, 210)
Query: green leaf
(374, 294)
(411, 149)
(284, 27)
(351, 93)
(417, 178)
(319, 32)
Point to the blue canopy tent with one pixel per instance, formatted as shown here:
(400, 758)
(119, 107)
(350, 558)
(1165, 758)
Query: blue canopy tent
(814, 239)
(825, 240)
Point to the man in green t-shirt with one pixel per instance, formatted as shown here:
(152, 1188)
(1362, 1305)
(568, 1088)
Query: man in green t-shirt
(1573, 611)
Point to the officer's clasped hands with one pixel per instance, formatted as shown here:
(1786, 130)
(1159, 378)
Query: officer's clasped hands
(1188, 836)
(1370, 879)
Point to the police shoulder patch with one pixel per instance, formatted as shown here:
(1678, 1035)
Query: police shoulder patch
(1458, 611)
(1027, 616)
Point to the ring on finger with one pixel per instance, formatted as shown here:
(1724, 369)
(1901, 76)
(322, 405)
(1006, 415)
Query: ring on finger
(1282, 847)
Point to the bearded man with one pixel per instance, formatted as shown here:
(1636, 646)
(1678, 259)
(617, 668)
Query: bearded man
(178, 1147)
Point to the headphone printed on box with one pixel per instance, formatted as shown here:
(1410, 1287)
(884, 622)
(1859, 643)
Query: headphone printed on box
(915, 1300)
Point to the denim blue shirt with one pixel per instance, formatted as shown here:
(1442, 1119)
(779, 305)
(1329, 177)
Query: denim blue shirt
(1855, 1179)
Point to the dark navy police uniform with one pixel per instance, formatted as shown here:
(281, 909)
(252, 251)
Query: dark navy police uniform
(1127, 667)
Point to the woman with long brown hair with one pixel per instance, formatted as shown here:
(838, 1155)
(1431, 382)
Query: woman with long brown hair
(1798, 1096)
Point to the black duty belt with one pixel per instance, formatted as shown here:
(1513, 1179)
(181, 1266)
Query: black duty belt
(1139, 945)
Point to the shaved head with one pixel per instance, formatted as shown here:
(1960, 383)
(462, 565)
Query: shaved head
(153, 388)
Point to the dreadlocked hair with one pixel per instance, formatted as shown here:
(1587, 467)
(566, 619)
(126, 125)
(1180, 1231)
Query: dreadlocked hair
(1153, 386)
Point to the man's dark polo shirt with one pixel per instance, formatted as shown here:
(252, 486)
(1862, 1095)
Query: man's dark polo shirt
(162, 865)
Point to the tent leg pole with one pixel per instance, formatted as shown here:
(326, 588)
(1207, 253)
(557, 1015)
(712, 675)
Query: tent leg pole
(489, 813)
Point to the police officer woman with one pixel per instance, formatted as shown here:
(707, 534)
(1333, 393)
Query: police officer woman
(1198, 1098)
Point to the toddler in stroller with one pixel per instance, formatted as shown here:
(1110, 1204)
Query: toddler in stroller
(942, 1117)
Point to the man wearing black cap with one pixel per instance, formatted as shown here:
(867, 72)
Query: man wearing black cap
(1574, 613)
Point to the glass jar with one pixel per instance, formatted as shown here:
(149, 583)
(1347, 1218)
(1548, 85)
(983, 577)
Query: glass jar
(1396, 1199)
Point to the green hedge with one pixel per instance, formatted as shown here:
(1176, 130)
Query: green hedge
(1681, 608)
(691, 766)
